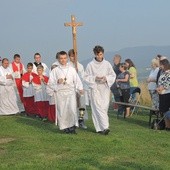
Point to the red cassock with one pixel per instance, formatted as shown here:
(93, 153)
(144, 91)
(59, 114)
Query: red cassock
(29, 103)
(18, 80)
(51, 113)
(41, 106)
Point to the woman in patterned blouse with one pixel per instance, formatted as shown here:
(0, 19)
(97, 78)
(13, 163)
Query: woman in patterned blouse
(164, 90)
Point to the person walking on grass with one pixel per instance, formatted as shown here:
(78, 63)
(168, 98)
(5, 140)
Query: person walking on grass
(99, 76)
(65, 81)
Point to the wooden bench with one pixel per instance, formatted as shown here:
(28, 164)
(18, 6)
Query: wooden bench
(152, 111)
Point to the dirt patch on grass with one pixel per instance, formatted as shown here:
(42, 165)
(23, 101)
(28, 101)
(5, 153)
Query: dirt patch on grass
(6, 140)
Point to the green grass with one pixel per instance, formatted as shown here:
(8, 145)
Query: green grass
(27, 143)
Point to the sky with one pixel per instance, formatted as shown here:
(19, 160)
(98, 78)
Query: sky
(30, 26)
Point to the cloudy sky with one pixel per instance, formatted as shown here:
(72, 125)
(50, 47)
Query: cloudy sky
(29, 26)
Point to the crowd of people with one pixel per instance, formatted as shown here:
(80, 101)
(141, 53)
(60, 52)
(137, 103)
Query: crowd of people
(60, 94)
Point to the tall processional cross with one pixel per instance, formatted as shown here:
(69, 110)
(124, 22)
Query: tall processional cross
(74, 26)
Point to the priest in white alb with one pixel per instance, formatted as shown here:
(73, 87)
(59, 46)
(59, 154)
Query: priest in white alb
(99, 76)
(8, 100)
(65, 81)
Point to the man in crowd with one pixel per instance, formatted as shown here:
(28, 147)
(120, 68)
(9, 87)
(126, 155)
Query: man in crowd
(114, 88)
(8, 104)
(81, 105)
(18, 71)
(37, 58)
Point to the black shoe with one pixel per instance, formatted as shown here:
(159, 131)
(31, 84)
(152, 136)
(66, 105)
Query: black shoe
(106, 132)
(67, 130)
(72, 130)
(99, 132)
(82, 125)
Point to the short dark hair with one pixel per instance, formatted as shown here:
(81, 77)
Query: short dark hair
(71, 51)
(165, 64)
(61, 53)
(159, 56)
(57, 55)
(16, 56)
(4, 59)
(37, 54)
(29, 65)
(97, 49)
(54, 66)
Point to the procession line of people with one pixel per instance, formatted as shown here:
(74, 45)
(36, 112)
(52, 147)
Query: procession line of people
(61, 93)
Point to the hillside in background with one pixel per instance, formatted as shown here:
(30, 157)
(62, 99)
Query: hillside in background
(141, 56)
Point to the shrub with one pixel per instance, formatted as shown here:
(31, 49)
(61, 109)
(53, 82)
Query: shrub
(145, 96)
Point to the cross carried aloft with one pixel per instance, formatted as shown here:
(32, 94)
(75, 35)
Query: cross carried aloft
(74, 26)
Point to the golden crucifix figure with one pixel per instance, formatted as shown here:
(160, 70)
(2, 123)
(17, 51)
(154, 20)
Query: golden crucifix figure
(74, 26)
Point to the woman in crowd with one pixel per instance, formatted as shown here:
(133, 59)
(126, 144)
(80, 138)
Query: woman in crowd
(124, 85)
(133, 76)
(152, 86)
(164, 90)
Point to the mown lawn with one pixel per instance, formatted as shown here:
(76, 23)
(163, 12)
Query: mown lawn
(27, 143)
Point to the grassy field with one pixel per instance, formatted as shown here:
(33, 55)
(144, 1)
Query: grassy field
(27, 143)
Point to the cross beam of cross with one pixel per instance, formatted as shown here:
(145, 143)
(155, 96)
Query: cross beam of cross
(74, 26)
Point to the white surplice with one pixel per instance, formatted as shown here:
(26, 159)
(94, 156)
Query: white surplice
(65, 95)
(28, 89)
(8, 100)
(17, 75)
(99, 91)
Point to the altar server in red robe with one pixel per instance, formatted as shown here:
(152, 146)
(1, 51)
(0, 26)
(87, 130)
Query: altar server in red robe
(41, 98)
(28, 90)
(52, 114)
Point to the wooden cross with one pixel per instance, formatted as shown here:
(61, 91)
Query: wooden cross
(74, 26)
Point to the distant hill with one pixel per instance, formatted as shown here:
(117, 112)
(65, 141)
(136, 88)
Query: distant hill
(141, 56)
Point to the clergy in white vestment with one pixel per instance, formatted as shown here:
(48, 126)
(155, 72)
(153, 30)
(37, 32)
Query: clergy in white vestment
(18, 70)
(99, 76)
(8, 100)
(65, 81)
(37, 58)
(81, 98)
